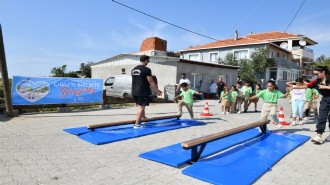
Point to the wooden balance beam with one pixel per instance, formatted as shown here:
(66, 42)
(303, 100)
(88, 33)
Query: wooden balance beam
(131, 121)
(202, 141)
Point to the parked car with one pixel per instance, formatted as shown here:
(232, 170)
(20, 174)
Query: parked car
(120, 86)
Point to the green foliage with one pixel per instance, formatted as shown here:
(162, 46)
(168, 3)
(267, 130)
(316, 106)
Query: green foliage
(260, 61)
(322, 61)
(230, 60)
(85, 69)
(246, 73)
(251, 70)
(58, 71)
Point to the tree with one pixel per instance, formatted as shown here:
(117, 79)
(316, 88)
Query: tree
(61, 72)
(322, 61)
(230, 60)
(246, 73)
(58, 71)
(260, 61)
(85, 69)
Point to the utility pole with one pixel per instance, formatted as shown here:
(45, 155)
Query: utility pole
(5, 80)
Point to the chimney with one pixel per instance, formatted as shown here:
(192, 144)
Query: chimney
(153, 43)
(236, 35)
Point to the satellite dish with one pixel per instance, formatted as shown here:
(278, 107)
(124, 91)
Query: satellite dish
(284, 45)
(302, 43)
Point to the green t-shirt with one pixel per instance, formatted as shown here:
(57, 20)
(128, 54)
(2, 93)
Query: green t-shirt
(308, 94)
(223, 96)
(270, 96)
(232, 96)
(246, 91)
(188, 96)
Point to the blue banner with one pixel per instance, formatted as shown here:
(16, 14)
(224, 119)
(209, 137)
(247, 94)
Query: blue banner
(56, 90)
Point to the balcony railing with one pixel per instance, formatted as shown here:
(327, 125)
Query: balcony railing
(306, 53)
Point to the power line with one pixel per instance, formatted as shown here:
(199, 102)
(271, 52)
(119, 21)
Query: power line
(165, 21)
(295, 15)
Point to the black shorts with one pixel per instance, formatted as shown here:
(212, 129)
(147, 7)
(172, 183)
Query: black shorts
(141, 100)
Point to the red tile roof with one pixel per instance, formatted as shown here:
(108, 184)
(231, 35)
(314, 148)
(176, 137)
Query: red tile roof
(248, 39)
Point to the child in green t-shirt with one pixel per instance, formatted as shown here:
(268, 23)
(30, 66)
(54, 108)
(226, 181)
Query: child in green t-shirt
(308, 101)
(233, 98)
(225, 103)
(270, 97)
(255, 101)
(187, 99)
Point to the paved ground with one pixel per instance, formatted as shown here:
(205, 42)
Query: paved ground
(35, 150)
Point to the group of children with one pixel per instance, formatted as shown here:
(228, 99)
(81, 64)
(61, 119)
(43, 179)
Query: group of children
(303, 97)
(232, 100)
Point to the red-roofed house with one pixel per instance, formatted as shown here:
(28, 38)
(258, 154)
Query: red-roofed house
(288, 50)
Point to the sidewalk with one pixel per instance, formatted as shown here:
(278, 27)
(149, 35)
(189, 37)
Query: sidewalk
(34, 149)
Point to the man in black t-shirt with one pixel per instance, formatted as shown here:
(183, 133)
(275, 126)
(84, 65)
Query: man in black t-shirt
(141, 82)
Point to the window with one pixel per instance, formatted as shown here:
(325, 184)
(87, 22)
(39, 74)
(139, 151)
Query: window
(242, 54)
(284, 76)
(273, 73)
(214, 57)
(193, 57)
(196, 79)
(109, 81)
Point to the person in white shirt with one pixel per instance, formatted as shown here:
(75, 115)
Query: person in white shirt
(213, 89)
(298, 99)
(183, 80)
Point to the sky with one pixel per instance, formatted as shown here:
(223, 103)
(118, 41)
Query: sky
(39, 35)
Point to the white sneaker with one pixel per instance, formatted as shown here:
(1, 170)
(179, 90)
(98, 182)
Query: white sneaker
(138, 126)
(293, 123)
(238, 112)
(317, 139)
(300, 123)
(305, 118)
(180, 113)
(222, 113)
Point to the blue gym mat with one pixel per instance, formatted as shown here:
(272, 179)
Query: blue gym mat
(116, 133)
(176, 156)
(244, 164)
(82, 130)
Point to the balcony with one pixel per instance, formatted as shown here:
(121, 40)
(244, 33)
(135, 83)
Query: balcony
(306, 54)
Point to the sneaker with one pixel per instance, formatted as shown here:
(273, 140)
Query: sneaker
(255, 110)
(300, 123)
(238, 112)
(317, 139)
(305, 118)
(222, 113)
(293, 123)
(138, 126)
(180, 113)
